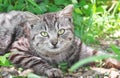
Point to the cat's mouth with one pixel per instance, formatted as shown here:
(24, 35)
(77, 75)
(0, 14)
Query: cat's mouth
(55, 47)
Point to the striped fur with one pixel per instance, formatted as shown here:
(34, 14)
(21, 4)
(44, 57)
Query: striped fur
(20, 34)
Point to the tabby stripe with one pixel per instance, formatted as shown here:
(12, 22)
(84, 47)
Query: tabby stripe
(21, 58)
(30, 64)
(36, 62)
(25, 63)
(31, 61)
(13, 56)
(18, 59)
(94, 52)
(80, 45)
(46, 66)
(44, 19)
(57, 25)
(70, 30)
(14, 17)
(3, 22)
(55, 22)
(19, 49)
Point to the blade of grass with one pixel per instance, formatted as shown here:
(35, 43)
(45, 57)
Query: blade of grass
(34, 4)
(115, 49)
(88, 60)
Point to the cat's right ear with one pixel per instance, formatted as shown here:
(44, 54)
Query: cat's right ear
(29, 20)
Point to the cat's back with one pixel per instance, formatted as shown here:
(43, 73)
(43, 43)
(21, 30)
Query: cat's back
(8, 23)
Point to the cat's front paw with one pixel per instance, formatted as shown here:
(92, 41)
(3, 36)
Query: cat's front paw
(112, 63)
(54, 73)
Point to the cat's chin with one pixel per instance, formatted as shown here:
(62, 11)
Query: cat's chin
(56, 50)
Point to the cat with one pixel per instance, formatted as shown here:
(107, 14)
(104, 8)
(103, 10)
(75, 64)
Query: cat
(38, 42)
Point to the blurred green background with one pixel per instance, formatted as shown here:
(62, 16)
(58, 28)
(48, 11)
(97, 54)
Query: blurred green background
(93, 19)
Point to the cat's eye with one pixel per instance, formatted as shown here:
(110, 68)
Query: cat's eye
(44, 34)
(61, 31)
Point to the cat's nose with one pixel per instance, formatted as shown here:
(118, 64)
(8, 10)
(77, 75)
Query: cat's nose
(54, 42)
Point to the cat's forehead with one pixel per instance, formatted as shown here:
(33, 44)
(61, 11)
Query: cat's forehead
(52, 21)
(49, 16)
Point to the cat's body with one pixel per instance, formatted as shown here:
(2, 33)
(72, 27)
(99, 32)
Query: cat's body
(38, 42)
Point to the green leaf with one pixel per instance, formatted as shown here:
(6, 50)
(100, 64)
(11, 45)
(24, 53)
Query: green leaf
(10, 7)
(77, 10)
(74, 1)
(115, 49)
(19, 6)
(43, 7)
(59, 2)
(63, 66)
(18, 77)
(100, 9)
(88, 60)
(53, 8)
(2, 59)
(34, 4)
(7, 55)
(31, 75)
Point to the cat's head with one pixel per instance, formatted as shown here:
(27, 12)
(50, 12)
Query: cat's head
(53, 32)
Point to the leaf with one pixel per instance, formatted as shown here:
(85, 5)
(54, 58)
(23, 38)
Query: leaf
(53, 8)
(34, 4)
(88, 60)
(2, 59)
(43, 7)
(74, 1)
(115, 49)
(59, 2)
(77, 10)
(18, 77)
(63, 66)
(100, 9)
(10, 7)
(7, 55)
(31, 75)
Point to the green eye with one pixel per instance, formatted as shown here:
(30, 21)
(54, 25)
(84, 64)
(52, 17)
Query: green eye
(44, 34)
(61, 31)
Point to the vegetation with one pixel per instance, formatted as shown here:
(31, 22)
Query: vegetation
(93, 19)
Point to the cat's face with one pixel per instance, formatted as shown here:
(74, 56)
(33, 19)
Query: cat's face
(53, 32)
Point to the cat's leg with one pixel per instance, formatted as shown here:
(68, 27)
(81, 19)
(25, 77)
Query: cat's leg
(86, 51)
(20, 56)
(5, 41)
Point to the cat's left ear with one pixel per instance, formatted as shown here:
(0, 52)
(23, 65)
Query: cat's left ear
(67, 11)
(31, 18)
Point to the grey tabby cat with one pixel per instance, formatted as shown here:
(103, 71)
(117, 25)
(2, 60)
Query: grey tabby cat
(40, 41)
